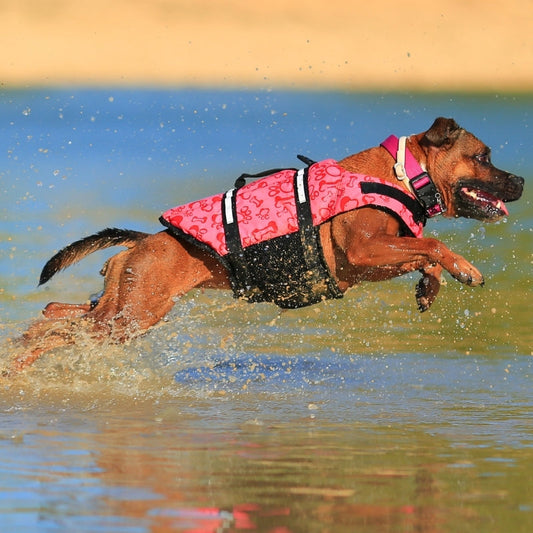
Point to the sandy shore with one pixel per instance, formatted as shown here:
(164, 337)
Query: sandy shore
(438, 46)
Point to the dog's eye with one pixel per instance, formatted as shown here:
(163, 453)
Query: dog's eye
(484, 158)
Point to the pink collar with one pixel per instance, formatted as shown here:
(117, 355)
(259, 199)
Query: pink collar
(408, 167)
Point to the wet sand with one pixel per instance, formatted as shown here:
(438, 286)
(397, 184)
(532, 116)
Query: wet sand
(318, 44)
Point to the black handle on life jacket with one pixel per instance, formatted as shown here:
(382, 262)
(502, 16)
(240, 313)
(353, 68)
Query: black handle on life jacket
(241, 180)
(304, 159)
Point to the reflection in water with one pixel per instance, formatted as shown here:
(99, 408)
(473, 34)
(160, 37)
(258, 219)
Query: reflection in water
(259, 462)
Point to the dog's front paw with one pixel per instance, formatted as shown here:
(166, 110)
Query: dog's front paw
(428, 287)
(464, 271)
(469, 275)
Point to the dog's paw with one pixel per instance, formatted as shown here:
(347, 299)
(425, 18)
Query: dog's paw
(428, 287)
(470, 276)
(465, 272)
(422, 300)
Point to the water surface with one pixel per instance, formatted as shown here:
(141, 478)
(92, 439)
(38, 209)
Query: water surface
(358, 414)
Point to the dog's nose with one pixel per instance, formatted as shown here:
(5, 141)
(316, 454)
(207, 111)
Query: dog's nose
(518, 179)
(514, 188)
(519, 182)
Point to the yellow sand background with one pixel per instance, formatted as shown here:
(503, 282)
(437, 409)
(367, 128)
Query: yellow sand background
(387, 45)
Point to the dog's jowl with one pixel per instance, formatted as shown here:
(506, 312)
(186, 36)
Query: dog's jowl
(291, 236)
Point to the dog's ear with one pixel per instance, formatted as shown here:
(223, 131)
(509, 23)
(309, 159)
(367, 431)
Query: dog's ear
(444, 131)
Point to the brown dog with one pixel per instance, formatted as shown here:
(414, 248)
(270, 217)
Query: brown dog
(366, 243)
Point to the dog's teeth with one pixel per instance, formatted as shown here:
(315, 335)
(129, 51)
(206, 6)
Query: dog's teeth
(485, 198)
(473, 194)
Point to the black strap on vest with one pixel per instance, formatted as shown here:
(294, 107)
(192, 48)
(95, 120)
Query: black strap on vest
(318, 272)
(306, 160)
(241, 180)
(242, 283)
(419, 213)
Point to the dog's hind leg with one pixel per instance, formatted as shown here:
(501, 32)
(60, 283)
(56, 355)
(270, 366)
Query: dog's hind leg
(42, 336)
(64, 310)
(142, 284)
(61, 310)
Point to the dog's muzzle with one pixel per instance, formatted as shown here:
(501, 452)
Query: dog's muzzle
(485, 200)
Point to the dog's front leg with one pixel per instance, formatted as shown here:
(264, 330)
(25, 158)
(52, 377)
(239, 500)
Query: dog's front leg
(461, 269)
(402, 255)
(372, 245)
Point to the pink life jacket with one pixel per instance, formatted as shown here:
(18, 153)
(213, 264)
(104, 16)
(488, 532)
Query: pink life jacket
(238, 225)
(266, 208)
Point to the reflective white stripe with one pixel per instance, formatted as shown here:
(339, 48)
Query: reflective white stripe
(227, 206)
(300, 186)
(399, 167)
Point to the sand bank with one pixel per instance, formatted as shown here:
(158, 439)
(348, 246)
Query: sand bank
(346, 44)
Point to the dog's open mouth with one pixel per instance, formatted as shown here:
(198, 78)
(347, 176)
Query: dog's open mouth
(481, 204)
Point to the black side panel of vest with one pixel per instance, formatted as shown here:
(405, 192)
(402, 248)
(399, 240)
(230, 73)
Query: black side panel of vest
(289, 270)
(282, 275)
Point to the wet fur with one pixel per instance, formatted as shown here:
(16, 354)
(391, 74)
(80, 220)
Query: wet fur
(142, 282)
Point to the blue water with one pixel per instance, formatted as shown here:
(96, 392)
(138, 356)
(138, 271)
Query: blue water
(95, 144)
(333, 416)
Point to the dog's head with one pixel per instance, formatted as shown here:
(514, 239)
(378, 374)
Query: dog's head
(460, 165)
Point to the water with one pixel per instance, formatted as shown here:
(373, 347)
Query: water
(354, 415)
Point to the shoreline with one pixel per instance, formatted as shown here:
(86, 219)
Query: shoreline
(482, 92)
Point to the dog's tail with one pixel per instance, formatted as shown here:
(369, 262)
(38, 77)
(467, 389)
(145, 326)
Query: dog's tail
(78, 250)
